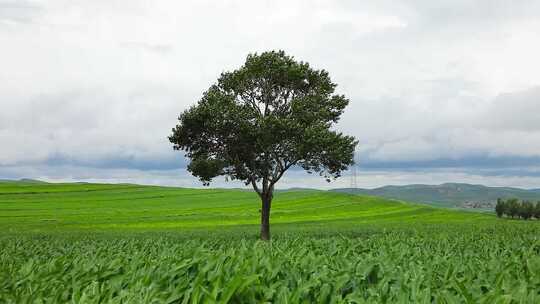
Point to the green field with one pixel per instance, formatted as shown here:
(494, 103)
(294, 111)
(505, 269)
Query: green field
(69, 207)
(96, 243)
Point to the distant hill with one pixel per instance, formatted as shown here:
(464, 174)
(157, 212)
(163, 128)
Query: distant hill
(297, 189)
(450, 194)
(23, 180)
(31, 181)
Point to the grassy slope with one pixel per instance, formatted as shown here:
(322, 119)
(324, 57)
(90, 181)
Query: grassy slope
(60, 207)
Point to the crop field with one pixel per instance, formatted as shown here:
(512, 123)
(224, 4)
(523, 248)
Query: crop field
(94, 243)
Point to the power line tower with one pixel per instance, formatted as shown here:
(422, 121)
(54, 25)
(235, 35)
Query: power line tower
(354, 184)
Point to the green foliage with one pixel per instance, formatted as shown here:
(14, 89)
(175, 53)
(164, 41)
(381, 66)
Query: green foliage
(430, 264)
(261, 119)
(513, 207)
(526, 210)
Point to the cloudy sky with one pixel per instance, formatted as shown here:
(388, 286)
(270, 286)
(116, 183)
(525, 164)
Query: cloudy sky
(441, 91)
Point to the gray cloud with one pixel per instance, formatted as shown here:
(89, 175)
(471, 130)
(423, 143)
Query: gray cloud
(96, 86)
(516, 111)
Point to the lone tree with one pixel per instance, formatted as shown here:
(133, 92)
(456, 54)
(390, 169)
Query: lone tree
(258, 121)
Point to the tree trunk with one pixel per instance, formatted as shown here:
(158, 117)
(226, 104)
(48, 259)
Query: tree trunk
(265, 216)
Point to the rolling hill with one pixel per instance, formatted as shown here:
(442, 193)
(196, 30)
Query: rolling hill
(449, 194)
(47, 206)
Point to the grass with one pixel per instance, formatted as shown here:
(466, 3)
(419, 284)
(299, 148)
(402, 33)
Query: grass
(99, 243)
(73, 207)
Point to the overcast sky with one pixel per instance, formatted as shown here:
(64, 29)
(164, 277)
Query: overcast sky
(441, 91)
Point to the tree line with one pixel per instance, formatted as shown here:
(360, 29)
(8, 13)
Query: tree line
(514, 208)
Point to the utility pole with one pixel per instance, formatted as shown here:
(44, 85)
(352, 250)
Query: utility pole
(354, 184)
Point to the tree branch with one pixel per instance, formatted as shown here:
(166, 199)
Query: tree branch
(249, 98)
(275, 180)
(255, 187)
